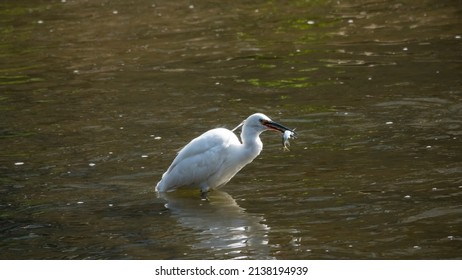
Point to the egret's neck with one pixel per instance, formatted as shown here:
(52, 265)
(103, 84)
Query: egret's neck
(251, 141)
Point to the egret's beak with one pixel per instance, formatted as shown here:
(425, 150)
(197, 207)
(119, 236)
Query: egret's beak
(276, 126)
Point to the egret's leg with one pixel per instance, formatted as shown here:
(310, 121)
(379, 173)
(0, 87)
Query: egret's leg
(205, 196)
(204, 192)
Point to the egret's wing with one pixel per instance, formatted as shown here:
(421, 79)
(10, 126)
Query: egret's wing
(199, 159)
(211, 140)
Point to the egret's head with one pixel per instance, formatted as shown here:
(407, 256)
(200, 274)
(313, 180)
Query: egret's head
(260, 122)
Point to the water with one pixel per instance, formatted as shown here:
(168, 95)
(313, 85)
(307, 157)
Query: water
(97, 96)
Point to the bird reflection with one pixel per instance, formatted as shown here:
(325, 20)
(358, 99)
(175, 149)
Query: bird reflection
(221, 226)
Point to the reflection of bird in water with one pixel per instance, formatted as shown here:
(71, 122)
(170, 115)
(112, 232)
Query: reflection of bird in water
(220, 225)
(212, 159)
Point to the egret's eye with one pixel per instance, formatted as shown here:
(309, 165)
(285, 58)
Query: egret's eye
(263, 121)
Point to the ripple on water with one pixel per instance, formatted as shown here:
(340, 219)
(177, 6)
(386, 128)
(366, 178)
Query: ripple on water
(434, 213)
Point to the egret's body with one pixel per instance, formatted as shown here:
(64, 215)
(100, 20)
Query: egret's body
(212, 159)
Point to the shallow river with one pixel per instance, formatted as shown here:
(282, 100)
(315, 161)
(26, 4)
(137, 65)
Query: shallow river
(96, 97)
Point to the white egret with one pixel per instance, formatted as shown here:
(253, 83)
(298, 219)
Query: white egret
(213, 158)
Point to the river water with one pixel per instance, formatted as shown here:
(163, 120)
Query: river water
(96, 97)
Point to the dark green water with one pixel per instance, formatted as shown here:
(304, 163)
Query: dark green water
(97, 96)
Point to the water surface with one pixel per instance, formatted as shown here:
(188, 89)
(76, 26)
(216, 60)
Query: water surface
(97, 96)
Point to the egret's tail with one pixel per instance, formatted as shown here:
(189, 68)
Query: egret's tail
(164, 185)
(160, 187)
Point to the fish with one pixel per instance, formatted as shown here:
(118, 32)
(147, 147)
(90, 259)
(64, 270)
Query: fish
(285, 139)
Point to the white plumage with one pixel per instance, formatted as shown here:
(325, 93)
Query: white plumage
(213, 158)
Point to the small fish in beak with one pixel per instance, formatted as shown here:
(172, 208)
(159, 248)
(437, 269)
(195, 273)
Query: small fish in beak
(288, 134)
